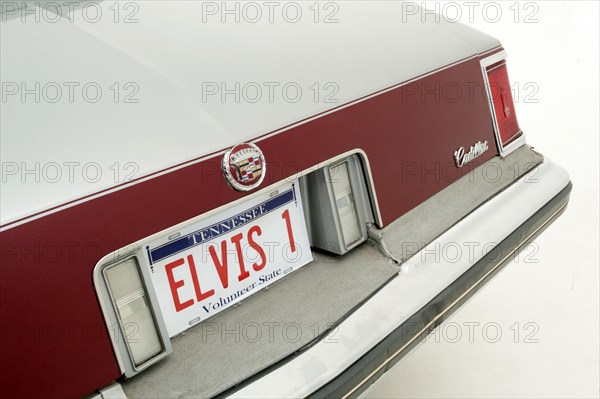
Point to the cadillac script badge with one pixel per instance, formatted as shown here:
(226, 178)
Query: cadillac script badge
(461, 158)
(244, 167)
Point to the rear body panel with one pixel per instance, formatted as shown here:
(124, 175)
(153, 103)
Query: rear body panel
(409, 145)
(405, 127)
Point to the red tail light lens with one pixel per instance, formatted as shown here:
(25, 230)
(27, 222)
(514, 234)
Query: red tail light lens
(504, 107)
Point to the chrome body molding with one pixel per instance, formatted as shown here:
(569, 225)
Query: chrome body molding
(111, 391)
(420, 280)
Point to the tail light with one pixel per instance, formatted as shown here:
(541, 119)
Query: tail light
(506, 126)
(138, 337)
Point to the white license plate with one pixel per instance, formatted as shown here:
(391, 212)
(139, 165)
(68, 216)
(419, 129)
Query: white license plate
(223, 259)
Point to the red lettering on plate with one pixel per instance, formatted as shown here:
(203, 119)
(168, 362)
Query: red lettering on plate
(175, 285)
(221, 266)
(286, 216)
(254, 245)
(244, 274)
(200, 296)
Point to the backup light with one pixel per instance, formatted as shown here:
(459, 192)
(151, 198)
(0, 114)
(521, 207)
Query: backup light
(139, 339)
(337, 206)
(345, 205)
(135, 315)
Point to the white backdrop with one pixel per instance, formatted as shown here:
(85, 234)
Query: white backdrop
(545, 304)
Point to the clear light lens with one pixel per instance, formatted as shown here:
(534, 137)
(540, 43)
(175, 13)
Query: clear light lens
(342, 190)
(137, 321)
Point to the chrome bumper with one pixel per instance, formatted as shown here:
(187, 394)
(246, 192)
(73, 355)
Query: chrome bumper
(425, 291)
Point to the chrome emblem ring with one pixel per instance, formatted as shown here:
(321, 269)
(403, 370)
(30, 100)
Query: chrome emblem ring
(244, 167)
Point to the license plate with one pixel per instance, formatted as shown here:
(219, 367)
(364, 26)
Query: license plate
(223, 259)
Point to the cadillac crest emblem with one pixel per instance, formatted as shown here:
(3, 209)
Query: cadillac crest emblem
(244, 167)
